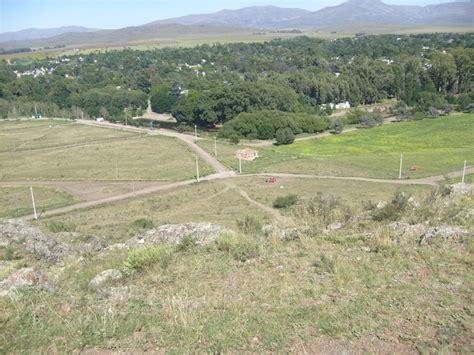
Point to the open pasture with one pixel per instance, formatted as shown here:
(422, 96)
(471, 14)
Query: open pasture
(220, 202)
(30, 135)
(78, 152)
(433, 146)
(15, 201)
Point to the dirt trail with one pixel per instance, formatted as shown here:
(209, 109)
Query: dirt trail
(145, 191)
(287, 221)
(430, 181)
(186, 138)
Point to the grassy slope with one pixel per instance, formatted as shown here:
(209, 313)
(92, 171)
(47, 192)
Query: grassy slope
(435, 146)
(316, 293)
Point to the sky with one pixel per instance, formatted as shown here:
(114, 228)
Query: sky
(20, 14)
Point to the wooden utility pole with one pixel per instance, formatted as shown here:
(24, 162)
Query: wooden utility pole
(197, 168)
(33, 201)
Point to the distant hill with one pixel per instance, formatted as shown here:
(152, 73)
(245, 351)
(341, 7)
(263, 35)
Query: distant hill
(38, 33)
(376, 12)
(350, 12)
(350, 15)
(249, 17)
(124, 35)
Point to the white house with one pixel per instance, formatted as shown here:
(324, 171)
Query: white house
(343, 105)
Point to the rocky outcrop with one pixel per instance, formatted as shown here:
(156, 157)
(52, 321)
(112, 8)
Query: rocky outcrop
(45, 247)
(426, 234)
(105, 277)
(444, 233)
(22, 278)
(407, 230)
(203, 233)
(17, 232)
(270, 230)
(460, 189)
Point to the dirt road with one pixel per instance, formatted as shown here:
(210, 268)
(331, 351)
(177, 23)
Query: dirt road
(430, 181)
(186, 138)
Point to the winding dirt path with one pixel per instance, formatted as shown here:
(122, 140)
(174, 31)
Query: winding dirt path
(430, 181)
(186, 138)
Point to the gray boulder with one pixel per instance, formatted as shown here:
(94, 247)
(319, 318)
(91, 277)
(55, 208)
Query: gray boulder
(106, 276)
(22, 278)
(203, 233)
(460, 189)
(335, 226)
(445, 233)
(403, 229)
(17, 232)
(270, 230)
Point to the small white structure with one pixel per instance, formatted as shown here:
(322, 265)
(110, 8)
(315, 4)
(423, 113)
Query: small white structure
(339, 106)
(247, 154)
(343, 105)
(100, 119)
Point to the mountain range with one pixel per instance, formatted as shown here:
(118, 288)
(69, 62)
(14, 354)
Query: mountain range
(350, 14)
(38, 33)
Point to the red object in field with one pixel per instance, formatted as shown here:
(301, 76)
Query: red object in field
(413, 168)
(270, 180)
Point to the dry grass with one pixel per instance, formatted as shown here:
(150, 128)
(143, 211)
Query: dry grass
(77, 152)
(15, 201)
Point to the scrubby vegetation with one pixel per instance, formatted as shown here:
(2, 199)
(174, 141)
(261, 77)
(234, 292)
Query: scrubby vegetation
(285, 201)
(398, 284)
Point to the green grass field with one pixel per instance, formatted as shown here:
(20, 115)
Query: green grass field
(34, 151)
(434, 146)
(15, 201)
(30, 135)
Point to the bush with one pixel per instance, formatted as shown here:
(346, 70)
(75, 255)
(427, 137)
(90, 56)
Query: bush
(186, 244)
(285, 201)
(234, 138)
(337, 126)
(240, 249)
(394, 209)
(249, 225)
(284, 136)
(143, 223)
(264, 124)
(58, 227)
(143, 258)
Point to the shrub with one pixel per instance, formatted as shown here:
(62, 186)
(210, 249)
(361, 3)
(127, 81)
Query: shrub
(58, 227)
(186, 244)
(143, 258)
(234, 138)
(249, 225)
(326, 264)
(285, 201)
(394, 209)
(240, 249)
(337, 126)
(143, 223)
(284, 136)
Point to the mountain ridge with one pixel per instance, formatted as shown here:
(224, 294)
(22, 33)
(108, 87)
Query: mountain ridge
(352, 14)
(39, 33)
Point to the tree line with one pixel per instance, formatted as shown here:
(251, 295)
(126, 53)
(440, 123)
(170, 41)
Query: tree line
(211, 85)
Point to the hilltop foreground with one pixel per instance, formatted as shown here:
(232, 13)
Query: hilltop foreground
(394, 277)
